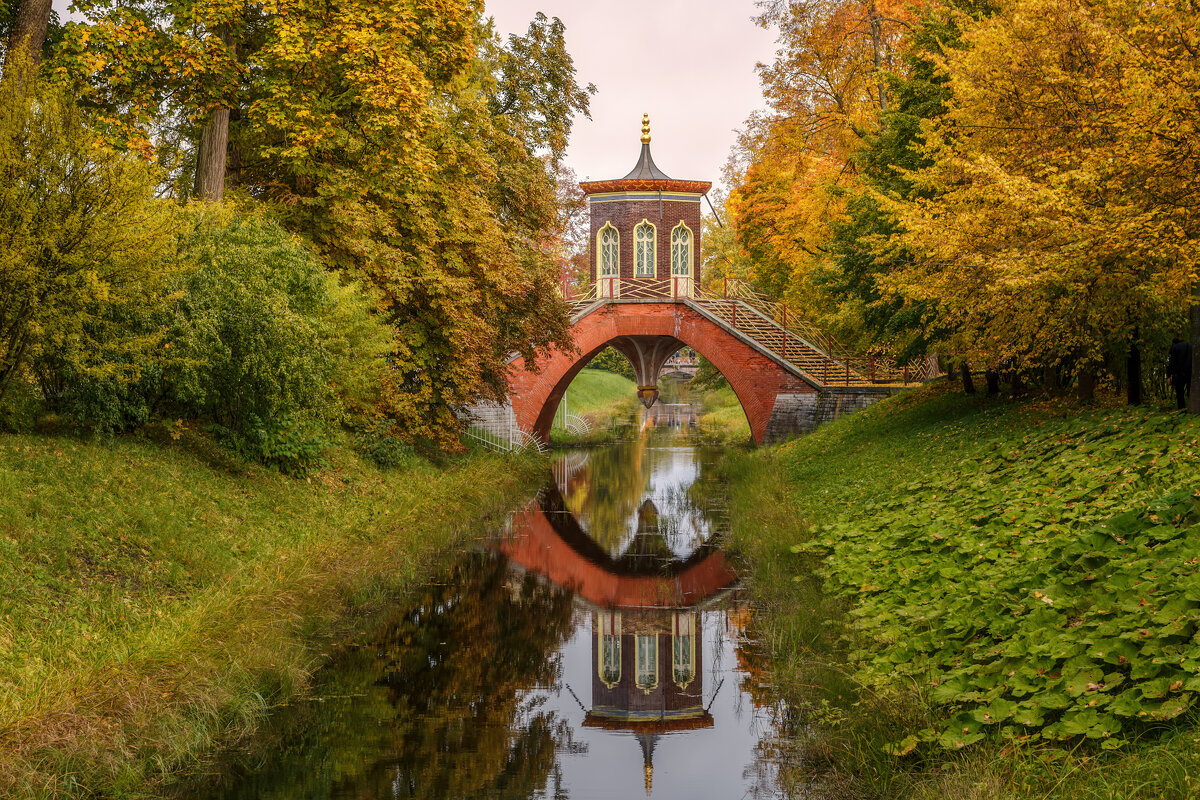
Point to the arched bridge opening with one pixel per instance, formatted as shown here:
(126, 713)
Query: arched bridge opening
(648, 334)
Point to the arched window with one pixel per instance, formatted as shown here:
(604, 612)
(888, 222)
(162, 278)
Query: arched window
(681, 251)
(608, 247)
(644, 254)
(681, 260)
(647, 660)
(683, 650)
(608, 629)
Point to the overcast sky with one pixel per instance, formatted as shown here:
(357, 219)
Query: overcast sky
(689, 64)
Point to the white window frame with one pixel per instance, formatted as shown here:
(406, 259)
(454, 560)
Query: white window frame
(608, 284)
(645, 654)
(683, 649)
(608, 633)
(650, 270)
(681, 282)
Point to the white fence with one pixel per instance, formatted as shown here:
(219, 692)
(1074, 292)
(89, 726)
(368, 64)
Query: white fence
(495, 427)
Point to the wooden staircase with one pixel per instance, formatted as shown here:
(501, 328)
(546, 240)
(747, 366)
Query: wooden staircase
(739, 317)
(771, 328)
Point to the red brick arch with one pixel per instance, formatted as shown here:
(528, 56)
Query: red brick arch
(755, 378)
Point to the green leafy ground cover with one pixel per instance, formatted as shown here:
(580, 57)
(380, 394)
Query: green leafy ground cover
(158, 599)
(967, 571)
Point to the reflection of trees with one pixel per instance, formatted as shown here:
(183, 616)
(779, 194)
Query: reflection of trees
(609, 490)
(616, 483)
(435, 705)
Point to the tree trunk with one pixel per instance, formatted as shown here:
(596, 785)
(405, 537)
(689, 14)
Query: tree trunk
(234, 161)
(1050, 378)
(1193, 405)
(27, 38)
(210, 157)
(1133, 371)
(993, 382)
(876, 23)
(968, 384)
(1087, 384)
(1018, 384)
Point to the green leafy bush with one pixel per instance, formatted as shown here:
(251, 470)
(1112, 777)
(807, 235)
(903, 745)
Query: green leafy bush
(19, 406)
(265, 337)
(85, 246)
(288, 445)
(377, 443)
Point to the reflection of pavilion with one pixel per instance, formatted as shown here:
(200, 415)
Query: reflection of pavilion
(648, 676)
(646, 640)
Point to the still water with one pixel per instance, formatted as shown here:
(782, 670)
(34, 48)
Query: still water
(594, 649)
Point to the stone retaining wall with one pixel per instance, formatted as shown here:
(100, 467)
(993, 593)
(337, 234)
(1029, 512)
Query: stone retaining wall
(794, 414)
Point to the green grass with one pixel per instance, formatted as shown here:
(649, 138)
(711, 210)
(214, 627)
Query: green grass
(599, 394)
(154, 603)
(723, 420)
(605, 399)
(995, 591)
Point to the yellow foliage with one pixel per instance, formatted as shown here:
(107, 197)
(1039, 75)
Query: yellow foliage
(1060, 207)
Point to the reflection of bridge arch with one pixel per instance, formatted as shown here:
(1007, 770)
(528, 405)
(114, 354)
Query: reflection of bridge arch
(547, 540)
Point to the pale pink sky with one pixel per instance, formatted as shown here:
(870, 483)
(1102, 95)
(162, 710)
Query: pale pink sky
(689, 64)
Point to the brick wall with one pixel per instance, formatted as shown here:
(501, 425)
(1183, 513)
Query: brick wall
(625, 215)
(795, 414)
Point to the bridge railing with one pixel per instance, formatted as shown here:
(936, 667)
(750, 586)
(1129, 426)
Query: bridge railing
(674, 288)
(790, 336)
(775, 327)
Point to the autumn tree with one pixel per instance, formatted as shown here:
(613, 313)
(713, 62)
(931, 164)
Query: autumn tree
(862, 246)
(1059, 210)
(416, 152)
(826, 88)
(146, 61)
(412, 147)
(723, 256)
(81, 235)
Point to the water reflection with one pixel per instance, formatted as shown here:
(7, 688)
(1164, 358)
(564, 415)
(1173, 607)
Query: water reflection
(436, 705)
(595, 650)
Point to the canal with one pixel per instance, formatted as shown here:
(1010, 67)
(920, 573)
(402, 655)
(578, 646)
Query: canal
(594, 648)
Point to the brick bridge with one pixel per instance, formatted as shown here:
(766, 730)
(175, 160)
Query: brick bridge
(784, 384)
(646, 300)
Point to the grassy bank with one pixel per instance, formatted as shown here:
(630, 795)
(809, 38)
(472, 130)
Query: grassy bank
(155, 601)
(605, 399)
(989, 599)
(723, 420)
(600, 395)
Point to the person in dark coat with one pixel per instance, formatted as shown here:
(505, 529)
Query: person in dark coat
(1179, 370)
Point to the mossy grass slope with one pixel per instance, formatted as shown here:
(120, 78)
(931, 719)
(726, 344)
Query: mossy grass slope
(155, 602)
(723, 421)
(989, 595)
(608, 402)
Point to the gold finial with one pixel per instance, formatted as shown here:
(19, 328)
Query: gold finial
(645, 129)
(648, 775)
